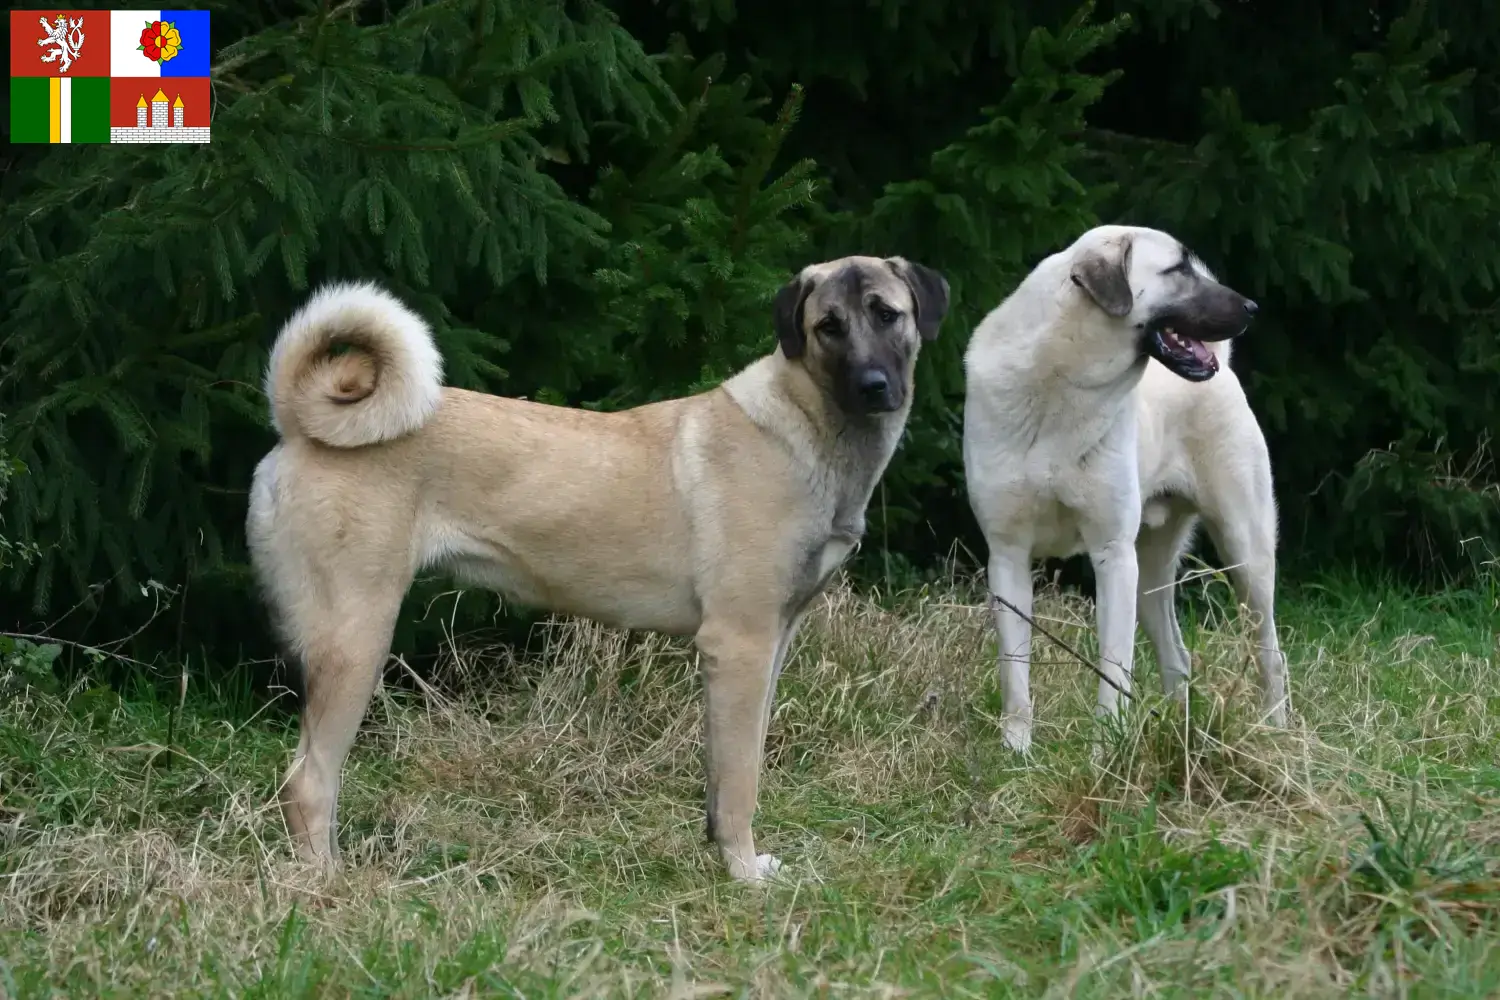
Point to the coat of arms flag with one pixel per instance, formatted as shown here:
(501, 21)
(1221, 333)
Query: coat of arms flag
(126, 76)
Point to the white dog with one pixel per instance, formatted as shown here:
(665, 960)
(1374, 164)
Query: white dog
(1102, 417)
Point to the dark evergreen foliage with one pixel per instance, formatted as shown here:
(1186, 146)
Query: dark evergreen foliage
(594, 205)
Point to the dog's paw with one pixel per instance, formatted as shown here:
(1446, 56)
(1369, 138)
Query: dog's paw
(1016, 735)
(764, 869)
(767, 868)
(1097, 753)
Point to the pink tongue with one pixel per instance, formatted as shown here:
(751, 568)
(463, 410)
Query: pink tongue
(1200, 351)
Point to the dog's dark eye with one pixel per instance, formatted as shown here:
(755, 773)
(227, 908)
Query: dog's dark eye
(887, 314)
(829, 326)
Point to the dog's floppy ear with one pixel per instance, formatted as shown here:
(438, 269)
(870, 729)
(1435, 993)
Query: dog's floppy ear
(929, 290)
(1105, 276)
(787, 312)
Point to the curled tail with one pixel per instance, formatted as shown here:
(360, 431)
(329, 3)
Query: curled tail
(352, 367)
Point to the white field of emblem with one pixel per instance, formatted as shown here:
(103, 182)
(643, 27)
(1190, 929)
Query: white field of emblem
(65, 36)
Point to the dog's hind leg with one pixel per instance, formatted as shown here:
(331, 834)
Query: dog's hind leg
(344, 646)
(1159, 548)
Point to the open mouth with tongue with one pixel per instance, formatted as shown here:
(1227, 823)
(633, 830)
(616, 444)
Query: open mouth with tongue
(1184, 355)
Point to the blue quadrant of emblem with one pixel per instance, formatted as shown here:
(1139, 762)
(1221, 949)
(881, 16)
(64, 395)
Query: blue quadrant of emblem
(195, 57)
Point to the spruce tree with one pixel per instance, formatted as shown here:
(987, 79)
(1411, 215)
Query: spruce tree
(1339, 165)
(594, 205)
(557, 202)
(14, 552)
(1363, 213)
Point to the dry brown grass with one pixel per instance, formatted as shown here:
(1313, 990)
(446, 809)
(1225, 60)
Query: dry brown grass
(536, 828)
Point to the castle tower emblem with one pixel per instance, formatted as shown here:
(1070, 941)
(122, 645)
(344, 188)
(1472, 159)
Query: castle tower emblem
(160, 120)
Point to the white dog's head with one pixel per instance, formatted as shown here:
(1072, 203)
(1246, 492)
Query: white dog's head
(1160, 294)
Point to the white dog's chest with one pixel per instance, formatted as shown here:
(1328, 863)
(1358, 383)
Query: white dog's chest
(1057, 529)
(1054, 504)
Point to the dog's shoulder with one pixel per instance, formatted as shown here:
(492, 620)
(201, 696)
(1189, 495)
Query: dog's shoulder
(721, 436)
(1028, 312)
(785, 410)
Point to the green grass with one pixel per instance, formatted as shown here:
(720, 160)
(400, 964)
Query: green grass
(536, 829)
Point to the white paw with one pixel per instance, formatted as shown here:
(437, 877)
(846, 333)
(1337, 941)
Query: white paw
(1276, 715)
(1016, 735)
(767, 867)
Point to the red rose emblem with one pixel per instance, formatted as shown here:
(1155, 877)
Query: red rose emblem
(151, 40)
(160, 41)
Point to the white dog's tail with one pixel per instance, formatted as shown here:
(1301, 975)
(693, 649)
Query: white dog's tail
(352, 367)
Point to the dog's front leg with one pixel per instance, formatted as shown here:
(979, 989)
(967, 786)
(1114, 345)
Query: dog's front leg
(1116, 574)
(1010, 578)
(736, 662)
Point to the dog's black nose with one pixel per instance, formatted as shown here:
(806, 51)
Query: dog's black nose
(1251, 307)
(874, 387)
